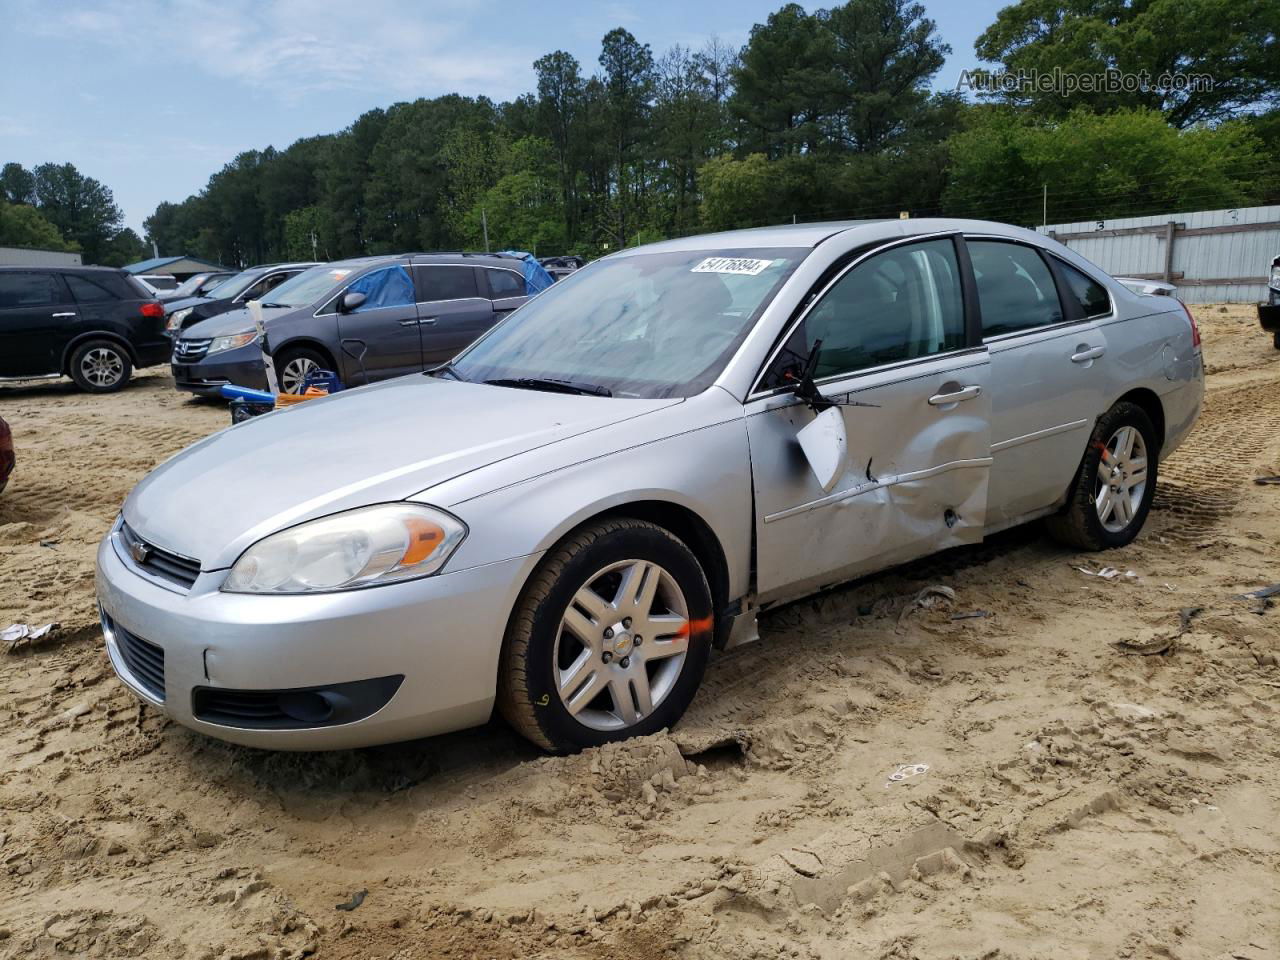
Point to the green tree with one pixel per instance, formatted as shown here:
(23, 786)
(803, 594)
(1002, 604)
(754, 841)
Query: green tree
(627, 82)
(23, 226)
(1231, 41)
(82, 209)
(17, 184)
(125, 247)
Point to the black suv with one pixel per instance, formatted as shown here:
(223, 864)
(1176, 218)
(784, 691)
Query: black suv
(253, 284)
(92, 324)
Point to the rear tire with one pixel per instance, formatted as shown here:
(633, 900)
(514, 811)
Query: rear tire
(100, 366)
(577, 670)
(1109, 501)
(1275, 339)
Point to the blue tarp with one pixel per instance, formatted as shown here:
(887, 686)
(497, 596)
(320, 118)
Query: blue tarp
(536, 278)
(392, 287)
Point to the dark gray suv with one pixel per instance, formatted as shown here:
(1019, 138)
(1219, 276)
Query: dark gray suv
(366, 319)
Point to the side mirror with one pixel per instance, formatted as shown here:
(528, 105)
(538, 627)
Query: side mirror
(826, 446)
(351, 302)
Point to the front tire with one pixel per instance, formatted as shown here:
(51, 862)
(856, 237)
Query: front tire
(1112, 492)
(100, 366)
(1275, 339)
(609, 639)
(293, 367)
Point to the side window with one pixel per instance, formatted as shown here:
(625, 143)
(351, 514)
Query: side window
(89, 289)
(444, 282)
(19, 290)
(388, 287)
(898, 305)
(269, 283)
(1015, 287)
(1091, 295)
(504, 283)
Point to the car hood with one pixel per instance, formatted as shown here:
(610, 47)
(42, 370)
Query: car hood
(233, 321)
(370, 445)
(181, 303)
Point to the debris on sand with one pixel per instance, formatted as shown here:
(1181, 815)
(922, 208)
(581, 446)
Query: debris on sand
(1108, 573)
(1154, 645)
(357, 898)
(908, 771)
(928, 598)
(19, 636)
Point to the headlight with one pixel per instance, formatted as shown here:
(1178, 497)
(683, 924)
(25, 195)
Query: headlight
(359, 548)
(176, 318)
(220, 344)
(1275, 276)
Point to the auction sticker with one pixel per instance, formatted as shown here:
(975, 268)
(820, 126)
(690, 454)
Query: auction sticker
(743, 266)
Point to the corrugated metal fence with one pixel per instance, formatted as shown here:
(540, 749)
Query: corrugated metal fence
(1213, 256)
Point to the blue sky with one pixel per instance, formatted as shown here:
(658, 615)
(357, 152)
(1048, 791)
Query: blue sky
(152, 96)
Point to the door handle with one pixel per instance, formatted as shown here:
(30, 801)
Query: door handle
(964, 393)
(71, 314)
(1091, 353)
(428, 319)
(409, 323)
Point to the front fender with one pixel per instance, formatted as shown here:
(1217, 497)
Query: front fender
(705, 470)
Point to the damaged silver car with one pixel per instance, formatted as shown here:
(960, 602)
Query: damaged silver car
(564, 521)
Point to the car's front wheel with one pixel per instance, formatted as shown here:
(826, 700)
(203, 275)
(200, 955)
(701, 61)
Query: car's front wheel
(294, 366)
(100, 366)
(1112, 493)
(609, 639)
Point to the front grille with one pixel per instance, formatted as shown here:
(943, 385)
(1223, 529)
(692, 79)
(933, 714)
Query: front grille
(162, 563)
(144, 660)
(190, 351)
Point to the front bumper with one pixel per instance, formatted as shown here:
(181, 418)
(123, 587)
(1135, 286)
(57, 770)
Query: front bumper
(241, 366)
(442, 634)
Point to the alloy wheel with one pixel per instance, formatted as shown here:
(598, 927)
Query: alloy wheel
(293, 377)
(622, 645)
(1122, 479)
(102, 367)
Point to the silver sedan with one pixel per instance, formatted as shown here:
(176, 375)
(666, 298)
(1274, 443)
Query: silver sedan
(564, 521)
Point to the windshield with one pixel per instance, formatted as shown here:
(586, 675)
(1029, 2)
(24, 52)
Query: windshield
(238, 284)
(308, 286)
(646, 325)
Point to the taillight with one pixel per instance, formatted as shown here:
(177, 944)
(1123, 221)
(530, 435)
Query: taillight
(1195, 331)
(152, 309)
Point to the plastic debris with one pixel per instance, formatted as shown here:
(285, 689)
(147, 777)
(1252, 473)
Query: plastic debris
(19, 635)
(1149, 647)
(927, 599)
(357, 898)
(1263, 592)
(907, 771)
(1108, 573)
(1266, 481)
(971, 615)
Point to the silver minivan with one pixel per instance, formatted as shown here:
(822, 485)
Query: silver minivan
(565, 520)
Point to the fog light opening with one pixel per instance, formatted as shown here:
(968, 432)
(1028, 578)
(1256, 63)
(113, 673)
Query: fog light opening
(307, 706)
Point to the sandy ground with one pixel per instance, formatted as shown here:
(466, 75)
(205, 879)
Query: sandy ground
(1082, 800)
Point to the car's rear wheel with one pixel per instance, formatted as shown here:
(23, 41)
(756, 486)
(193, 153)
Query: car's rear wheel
(1112, 492)
(294, 366)
(609, 639)
(1275, 339)
(100, 366)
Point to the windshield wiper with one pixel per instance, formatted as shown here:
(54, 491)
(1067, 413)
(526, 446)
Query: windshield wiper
(555, 386)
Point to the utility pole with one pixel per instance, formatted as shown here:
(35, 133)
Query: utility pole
(313, 246)
(1044, 212)
(484, 223)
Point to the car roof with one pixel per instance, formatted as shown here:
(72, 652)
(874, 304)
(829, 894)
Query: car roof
(812, 234)
(69, 268)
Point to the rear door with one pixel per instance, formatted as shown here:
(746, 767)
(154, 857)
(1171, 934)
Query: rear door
(37, 320)
(451, 311)
(894, 333)
(1048, 366)
(380, 337)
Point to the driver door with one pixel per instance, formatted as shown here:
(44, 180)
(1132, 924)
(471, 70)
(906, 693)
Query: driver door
(891, 333)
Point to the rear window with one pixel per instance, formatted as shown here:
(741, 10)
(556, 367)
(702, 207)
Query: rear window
(504, 283)
(91, 289)
(19, 290)
(1091, 295)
